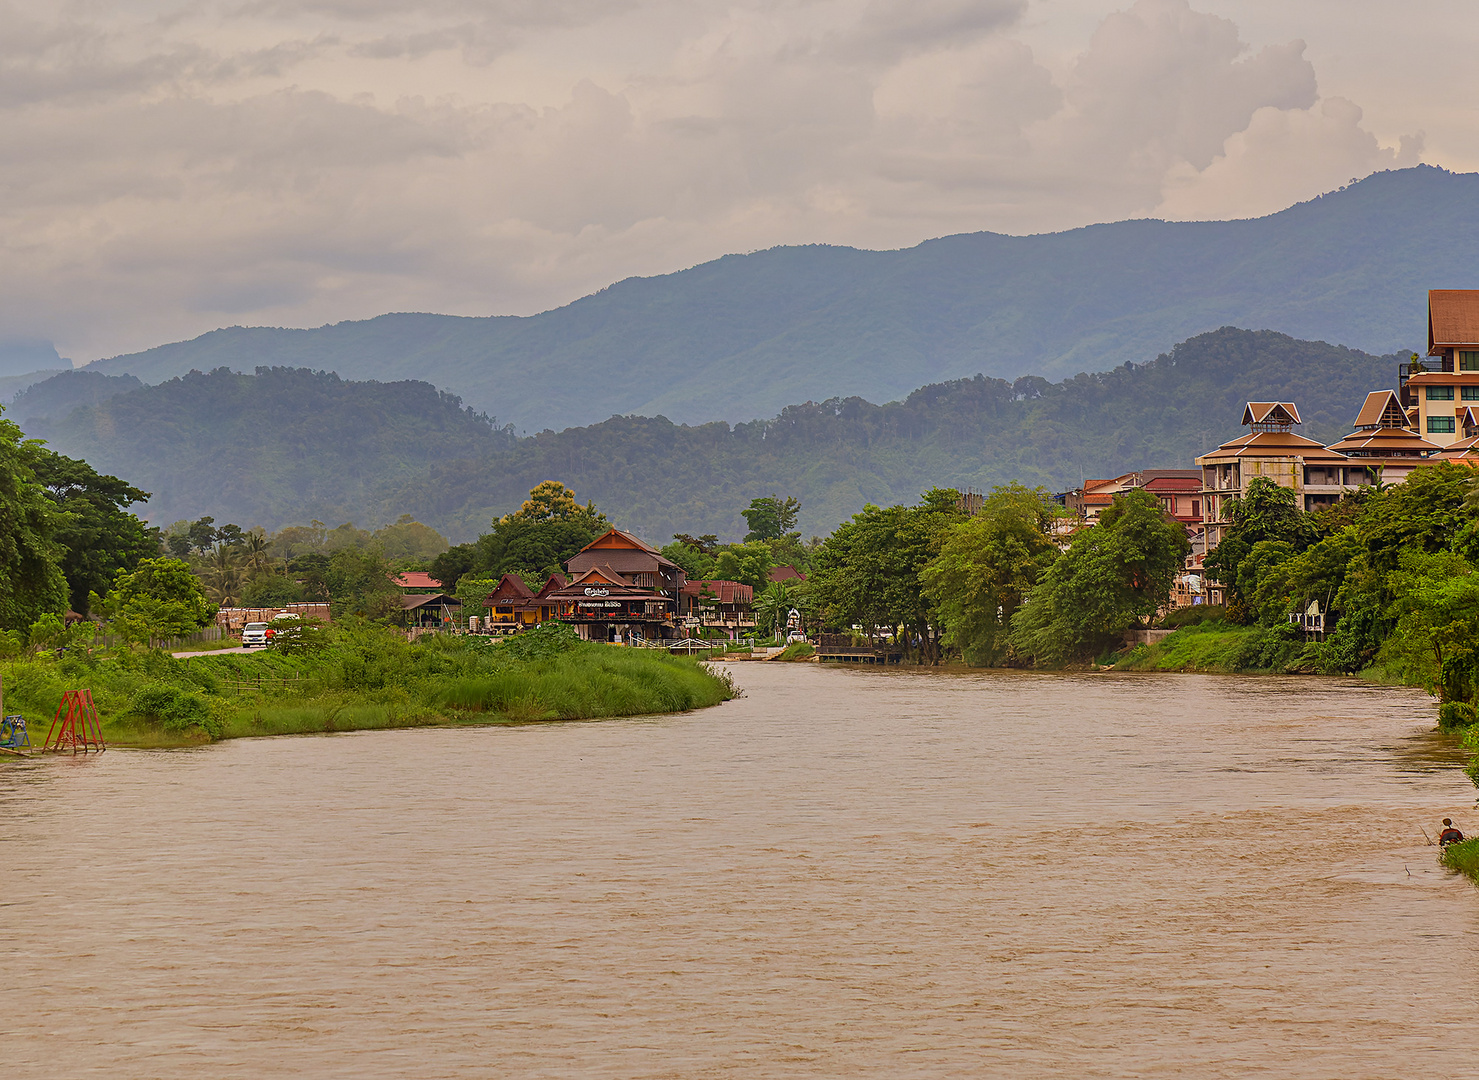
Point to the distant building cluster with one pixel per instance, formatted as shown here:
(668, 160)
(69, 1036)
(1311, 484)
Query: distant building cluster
(1433, 415)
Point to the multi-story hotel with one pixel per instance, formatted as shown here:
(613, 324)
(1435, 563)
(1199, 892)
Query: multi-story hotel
(1317, 475)
(1435, 392)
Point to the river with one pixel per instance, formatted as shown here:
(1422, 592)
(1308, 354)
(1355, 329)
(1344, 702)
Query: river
(861, 873)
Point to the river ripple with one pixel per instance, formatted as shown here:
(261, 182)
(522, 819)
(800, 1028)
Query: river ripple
(889, 874)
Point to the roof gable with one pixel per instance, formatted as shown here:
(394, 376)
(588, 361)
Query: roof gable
(598, 575)
(1381, 409)
(1271, 414)
(615, 538)
(1453, 318)
(510, 587)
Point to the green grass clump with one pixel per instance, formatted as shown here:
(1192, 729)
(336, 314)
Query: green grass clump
(1215, 646)
(1463, 858)
(798, 650)
(360, 677)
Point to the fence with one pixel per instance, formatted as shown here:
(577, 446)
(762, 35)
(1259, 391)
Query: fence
(256, 684)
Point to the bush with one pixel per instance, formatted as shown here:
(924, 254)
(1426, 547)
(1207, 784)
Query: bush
(174, 709)
(1456, 715)
(1190, 616)
(1462, 857)
(545, 640)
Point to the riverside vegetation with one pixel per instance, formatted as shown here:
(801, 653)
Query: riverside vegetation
(357, 676)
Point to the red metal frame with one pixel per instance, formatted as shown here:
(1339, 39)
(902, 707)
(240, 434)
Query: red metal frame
(78, 730)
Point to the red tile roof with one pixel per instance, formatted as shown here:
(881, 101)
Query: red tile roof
(416, 579)
(786, 573)
(1453, 318)
(726, 592)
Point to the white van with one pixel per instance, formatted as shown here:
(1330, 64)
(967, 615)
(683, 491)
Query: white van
(253, 633)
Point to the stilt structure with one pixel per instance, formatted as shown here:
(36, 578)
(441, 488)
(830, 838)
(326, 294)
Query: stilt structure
(75, 726)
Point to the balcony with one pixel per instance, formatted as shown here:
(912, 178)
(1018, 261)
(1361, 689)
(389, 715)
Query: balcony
(1405, 371)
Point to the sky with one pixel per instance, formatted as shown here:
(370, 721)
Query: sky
(169, 167)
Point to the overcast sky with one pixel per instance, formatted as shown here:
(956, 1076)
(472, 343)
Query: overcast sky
(169, 167)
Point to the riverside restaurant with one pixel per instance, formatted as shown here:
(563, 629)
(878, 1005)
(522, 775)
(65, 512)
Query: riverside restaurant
(621, 590)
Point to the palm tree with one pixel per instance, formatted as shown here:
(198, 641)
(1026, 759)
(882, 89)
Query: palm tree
(255, 546)
(772, 606)
(223, 577)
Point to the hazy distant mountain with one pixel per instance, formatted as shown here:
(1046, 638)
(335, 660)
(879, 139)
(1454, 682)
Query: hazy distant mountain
(59, 394)
(748, 334)
(289, 445)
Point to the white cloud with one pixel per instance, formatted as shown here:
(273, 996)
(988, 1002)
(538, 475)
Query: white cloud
(169, 168)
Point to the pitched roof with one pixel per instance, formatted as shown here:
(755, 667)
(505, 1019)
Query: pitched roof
(1271, 412)
(785, 573)
(510, 587)
(726, 592)
(1453, 318)
(614, 540)
(1465, 450)
(1385, 442)
(1274, 444)
(600, 575)
(1381, 408)
(416, 579)
(411, 601)
(556, 581)
(1175, 483)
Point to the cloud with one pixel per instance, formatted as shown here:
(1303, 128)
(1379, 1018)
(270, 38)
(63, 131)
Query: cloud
(1283, 156)
(172, 168)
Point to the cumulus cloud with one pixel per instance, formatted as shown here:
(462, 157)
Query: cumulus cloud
(170, 168)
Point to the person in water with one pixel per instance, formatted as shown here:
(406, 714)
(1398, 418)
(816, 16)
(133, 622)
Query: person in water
(1449, 835)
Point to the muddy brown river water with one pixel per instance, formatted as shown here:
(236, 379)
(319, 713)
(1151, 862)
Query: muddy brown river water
(844, 873)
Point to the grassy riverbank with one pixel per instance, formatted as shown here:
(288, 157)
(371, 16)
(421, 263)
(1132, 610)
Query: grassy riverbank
(1463, 858)
(359, 677)
(1224, 648)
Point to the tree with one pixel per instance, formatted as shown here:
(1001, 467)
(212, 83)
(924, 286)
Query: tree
(223, 576)
(541, 536)
(697, 564)
(160, 598)
(32, 579)
(1112, 575)
(359, 583)
(771, 518)
(1436, 640)
(202, 534)
(1266, 511)
(867, 573)
(985, 567)
(749, 564)
(410, 541)
(453, 564)
(97, 534)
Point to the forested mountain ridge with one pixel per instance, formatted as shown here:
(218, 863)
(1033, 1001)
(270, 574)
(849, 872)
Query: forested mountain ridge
(806, 323)
(277, 447)
(284, 446)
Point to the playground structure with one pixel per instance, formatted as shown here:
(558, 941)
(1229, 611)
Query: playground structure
(14, 739)
(75, 726)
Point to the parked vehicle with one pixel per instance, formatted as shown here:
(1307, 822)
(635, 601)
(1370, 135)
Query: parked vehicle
(254, 633)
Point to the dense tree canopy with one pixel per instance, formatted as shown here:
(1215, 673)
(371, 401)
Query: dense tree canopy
(32, 579)
(98, 536)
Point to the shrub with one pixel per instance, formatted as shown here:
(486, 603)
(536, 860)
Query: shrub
(1456, 715)
(1190, 616)
(545, 640)
(174, 709)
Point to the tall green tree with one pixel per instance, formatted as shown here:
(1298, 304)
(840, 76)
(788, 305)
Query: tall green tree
(1111, 576)
(159, 598)
(1267, 512)
(97, 534)
(32, 580)
(771, 518)
(985, 567)
(867, 573)
(539, 537)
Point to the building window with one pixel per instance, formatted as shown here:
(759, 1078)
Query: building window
(1469, 393)
(1440, 425)
(1440, 393)
(1468, 361)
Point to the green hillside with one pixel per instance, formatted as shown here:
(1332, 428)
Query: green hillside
(807, 323)
(284, 446)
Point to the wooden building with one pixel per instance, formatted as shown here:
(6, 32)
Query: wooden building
(513, 606)
(723, 606)
(1439, 388)
(621, 589)
(1318, 476)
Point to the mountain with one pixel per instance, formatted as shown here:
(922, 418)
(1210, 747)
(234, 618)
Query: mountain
(745, 335)
(279, 446)
(66, 391)
(284, 446)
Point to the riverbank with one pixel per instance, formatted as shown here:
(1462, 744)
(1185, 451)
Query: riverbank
(359, 677)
